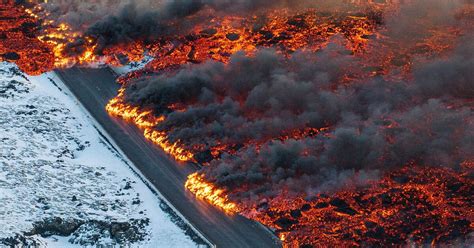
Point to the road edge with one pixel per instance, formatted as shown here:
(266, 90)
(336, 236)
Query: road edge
(130, 164)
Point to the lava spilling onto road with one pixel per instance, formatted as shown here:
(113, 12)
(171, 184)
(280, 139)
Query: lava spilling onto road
(335, 124)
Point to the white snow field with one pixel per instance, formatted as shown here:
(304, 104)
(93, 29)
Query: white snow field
(54, 165)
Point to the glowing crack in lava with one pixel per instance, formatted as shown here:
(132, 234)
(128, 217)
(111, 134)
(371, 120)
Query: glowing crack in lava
(343, 124)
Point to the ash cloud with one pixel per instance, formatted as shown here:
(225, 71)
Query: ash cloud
(453, 77)
(412, 20)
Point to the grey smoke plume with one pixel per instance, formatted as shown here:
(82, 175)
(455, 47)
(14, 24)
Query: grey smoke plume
(112, 22)
(376, 126)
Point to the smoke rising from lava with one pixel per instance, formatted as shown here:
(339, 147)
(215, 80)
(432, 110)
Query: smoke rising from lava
(248, 111)
(319, 100)
(375, 126)
(112, 22)
(253, 106)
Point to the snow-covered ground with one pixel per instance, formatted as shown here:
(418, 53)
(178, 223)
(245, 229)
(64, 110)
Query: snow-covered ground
(132, 66)
(54, 164)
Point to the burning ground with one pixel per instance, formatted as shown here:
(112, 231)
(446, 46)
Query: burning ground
(342, 123)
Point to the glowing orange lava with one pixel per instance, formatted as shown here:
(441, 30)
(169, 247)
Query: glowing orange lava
(146, 121)
(210, 193)
(415, 205)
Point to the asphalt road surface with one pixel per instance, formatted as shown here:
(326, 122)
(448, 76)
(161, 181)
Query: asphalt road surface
(93, 88)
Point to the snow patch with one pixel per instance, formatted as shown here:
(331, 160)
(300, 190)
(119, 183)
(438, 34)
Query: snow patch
(53, 163)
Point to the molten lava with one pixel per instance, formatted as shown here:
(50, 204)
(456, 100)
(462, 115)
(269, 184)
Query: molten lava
(207, 191)
(421, 205)
(19, 30)
(411, 204)
(226, 36)
(147, 122)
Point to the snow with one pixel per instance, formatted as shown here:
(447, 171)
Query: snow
(133, 66)
(54, 163)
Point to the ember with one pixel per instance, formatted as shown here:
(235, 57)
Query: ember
(344, 124)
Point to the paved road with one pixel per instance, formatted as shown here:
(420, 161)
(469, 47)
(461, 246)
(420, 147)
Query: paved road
(93, 88)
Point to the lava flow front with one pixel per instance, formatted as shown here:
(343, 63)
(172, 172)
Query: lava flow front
(335, 124)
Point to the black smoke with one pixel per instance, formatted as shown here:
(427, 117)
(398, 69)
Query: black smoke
(251, 99)
(112, 22)
(376, 125)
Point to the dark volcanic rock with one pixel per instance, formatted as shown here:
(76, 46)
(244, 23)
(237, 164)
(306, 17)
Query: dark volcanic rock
(19, 241)
(305, 207)
(295, 213)
(342, 206)
(297, 22)
(321, 205)
(347, 210)
(266, 34)
(87, 232)
(386, 199)
(233, 36)
(285, 223)
(339, 203)
(55, 226)
(370, 224)
(11, 56)
(207, 33)
(11, 87)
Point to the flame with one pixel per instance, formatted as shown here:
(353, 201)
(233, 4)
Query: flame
(146, 121)
(58, 36)
(210, 193)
